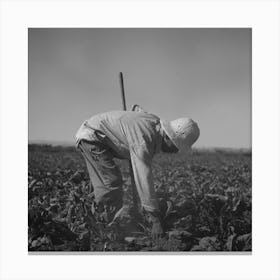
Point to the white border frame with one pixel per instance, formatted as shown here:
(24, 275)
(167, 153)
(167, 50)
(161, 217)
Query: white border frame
(17, 16)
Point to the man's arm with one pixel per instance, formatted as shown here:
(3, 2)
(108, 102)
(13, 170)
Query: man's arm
(141, 162)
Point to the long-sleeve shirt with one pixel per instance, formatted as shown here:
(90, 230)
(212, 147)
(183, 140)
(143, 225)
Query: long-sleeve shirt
(130, 135)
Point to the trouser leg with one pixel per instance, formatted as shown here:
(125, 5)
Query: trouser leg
(105, 177)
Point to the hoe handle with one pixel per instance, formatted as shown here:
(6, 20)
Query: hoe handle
(122, 91)
(134, 192)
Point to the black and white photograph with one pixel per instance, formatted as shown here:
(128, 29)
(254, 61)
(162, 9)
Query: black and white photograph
(139, 140)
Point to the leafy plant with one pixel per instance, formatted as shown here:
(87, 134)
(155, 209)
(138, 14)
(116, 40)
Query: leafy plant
(205, 203)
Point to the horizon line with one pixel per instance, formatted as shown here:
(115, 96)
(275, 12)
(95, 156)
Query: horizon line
(70, 143)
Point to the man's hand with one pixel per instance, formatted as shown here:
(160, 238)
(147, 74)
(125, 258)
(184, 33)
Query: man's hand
(157, 230)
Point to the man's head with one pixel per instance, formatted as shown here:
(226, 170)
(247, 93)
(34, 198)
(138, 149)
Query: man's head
(181, 133)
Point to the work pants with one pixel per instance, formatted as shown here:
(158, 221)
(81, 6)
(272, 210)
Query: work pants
(105, 177)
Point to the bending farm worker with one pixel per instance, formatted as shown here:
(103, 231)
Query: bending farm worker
(135, 136)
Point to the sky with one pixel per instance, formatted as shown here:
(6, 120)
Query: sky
(204, 74)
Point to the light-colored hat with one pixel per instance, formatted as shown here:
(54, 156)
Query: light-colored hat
(183, 132)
